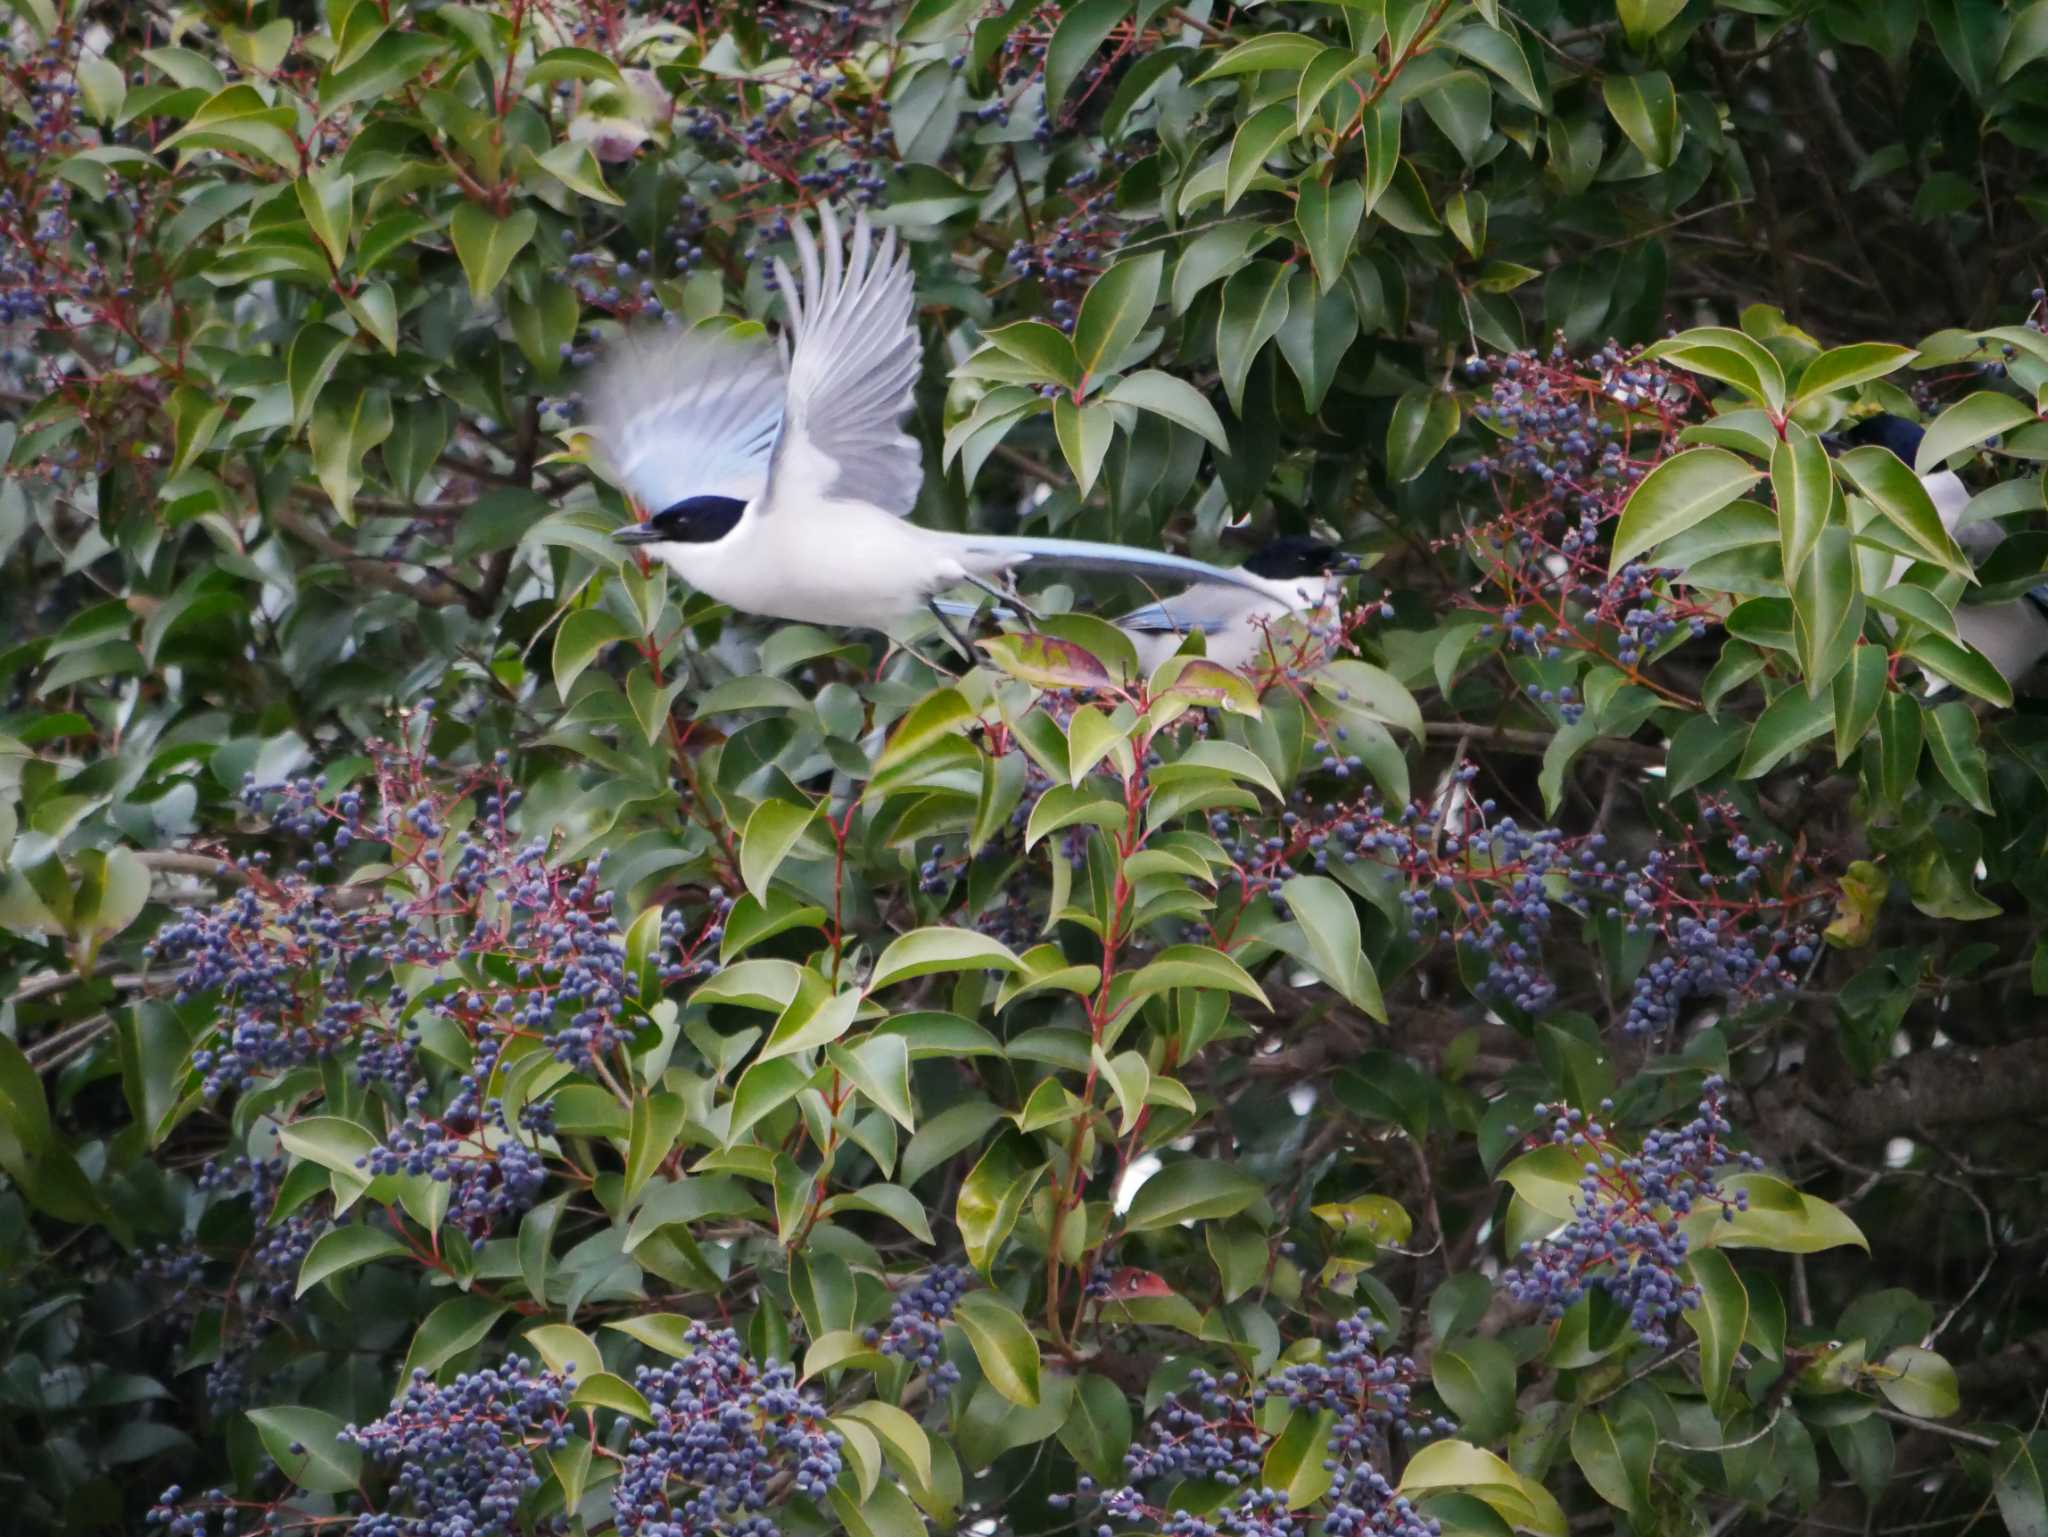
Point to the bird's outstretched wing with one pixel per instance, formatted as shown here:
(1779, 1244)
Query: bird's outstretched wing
(854, 356)
(680, 413)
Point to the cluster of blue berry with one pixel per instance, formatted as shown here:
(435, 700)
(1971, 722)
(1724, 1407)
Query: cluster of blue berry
(250, 1291)
(305, 977)
(1495, 887)
(728, 1440)
(491, 1174)
(1211, 1432)
(916, 1330)
(1626, 1234)
(1579, 434)
(461, 1457)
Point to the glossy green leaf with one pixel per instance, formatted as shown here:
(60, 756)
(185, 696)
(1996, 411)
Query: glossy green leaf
(1190, 1191)
(1423, 422)
(1684, 490)
(306, 1445)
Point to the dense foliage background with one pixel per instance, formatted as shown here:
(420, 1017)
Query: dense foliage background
(1557, 1050)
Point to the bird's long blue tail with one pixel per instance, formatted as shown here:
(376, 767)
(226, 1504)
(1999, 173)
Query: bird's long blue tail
(1120, 559)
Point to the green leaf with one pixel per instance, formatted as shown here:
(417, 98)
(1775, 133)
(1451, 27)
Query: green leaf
(1497, 49)
(1614, 1454)
(1803, 482)
(1424, 421)
(576, 167)
(1859, 690)
(1297, 1463)
(1083, 27)
(1788, 723)
(578, 639)
(764, 1088)
(810, 1020)
(1330, 921)
(562, 1347)
(453, 1327)
(1257, 138)
(340, 437)
(1370, 691)
(1964, 666)
(607, 1390)
(992, 1198)
(1003, 1344)
(1919, 1382)
(891, 1201)
(1288, 51)
(1254, 308)
(879, 1066)
(1968, 423)
(1325, 72)
(1719, 1320)
(327, 198)
(1382, 150)
(342, 1249)
(315, 351)
(1045, 349)
(238, 121)
(486, 246)
(1952, 743)
(1476, 1377)
(1827, 608)
(1328, 218)
(323, 1462)
(1084, 434)
(773, 829)
(1097, 1429)
(924, 951)
(1315, 336)
(1114, 311)
(2019, 1485)
(1523, 1502)
(1731, 356)
(1191, 1191)
(1896, 492)
(1128, 1078)
(1175, 399)
(1841, 368)
(1190, 966)
(1684, 490)
(1046, 661)
(1646, 107)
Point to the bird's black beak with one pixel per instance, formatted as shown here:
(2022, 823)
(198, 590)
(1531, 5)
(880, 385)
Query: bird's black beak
(637, 533)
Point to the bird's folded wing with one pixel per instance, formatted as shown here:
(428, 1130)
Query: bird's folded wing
(854, 358)
(1170, 618)
(682, 413)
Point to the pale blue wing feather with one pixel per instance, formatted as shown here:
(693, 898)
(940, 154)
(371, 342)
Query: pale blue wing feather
(854, 358)
(680, 413)
(1164, 619)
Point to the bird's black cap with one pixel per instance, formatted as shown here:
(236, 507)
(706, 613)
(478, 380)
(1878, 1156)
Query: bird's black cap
(1293, 555)
(1884, 430)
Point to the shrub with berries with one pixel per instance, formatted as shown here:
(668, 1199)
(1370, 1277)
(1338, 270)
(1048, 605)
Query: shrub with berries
(1532, 1028)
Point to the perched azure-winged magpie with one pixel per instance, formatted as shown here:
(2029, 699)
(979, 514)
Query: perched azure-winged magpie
(1296, 576)
(780, 482)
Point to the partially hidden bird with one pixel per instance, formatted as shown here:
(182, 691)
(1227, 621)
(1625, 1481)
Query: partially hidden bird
(2013, 636)
(1239, 622)
(1297, 577)
(780, 480)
